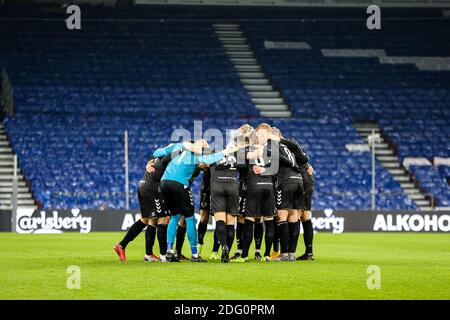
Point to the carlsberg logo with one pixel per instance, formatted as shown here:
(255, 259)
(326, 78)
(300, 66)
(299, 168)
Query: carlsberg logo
(29, 221)
(330, 222)
(415, 222)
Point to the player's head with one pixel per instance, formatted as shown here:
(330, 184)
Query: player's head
(263, 132)
(245, 130)
(275, 134)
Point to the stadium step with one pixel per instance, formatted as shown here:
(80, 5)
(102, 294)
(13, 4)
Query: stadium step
(272, 107)
(8, 184)
(276, 114)
(251, 75)
(266, 99)
(259, 88)
(24, 196)
(247, 68)
(386, 156)
(396, 172)
(401, 178)
(258, 94)
(19, 196)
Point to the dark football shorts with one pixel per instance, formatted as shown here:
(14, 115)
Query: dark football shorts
(225, 198)
(242, 200)
(205, 200)
(177, 198)
(289, 196)
(151, 202)
(260, 203)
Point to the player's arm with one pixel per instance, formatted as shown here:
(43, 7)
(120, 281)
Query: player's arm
(215, 157)
(194, 148)
(149, 167)
(161, 152)
(294, 147)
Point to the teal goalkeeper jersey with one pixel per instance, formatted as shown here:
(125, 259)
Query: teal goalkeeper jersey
(182, 166)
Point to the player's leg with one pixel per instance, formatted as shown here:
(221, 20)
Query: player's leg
(231, 221)
(150, 236)
(294, 233)
(181, 236)
(239, 236)
(252, 211)
(205, 207)
(131, 234)
(305, 218)
(258, 235)
(308, 235)
(186, 204)
(276, 240)
(169, 192)
(137, 227)
(267, 198)
(202, 228)
(268, 238)
(216, 247)
(162, 237)
(283, 232)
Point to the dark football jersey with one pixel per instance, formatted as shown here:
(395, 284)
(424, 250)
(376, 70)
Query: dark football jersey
(227, 169)
(260, 181)
(205, 187)
(288, 171)
(154, 178)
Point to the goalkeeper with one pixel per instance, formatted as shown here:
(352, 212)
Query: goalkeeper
(177, 193)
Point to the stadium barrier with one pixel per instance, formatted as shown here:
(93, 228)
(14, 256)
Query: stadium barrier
(85, 221)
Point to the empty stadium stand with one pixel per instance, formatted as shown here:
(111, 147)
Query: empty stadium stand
(147, 72)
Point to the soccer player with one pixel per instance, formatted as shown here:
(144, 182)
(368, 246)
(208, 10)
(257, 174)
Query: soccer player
(306, 171)
(289, 194)
(152, 210)
(177, 194)
(260, 201)
(225, 196)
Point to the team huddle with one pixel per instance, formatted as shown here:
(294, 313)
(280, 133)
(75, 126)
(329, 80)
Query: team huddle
(259, 186)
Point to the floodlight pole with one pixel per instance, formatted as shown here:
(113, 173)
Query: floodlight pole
(127, 191)
(14, 197)
(374, 190)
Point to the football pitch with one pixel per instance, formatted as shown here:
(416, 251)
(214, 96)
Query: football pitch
(412, 266)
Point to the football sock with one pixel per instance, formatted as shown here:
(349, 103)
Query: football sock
(150, 235)
(276, 240)
(294, 232)
(181, 234)
(283, 231)
(172, 231)
(269, 236)
(239, 234)
(258, 233)
(192, 235)
(162, 238)
(230, 236)
(308, 234)
(247, 237)
(132, 233)
(221, 229)
(216, 244)
(202, 227)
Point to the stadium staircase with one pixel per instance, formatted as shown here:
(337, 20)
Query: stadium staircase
(266, 98)
(24, 196)
(386, 156)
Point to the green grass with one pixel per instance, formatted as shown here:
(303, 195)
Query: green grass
(413, 266)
